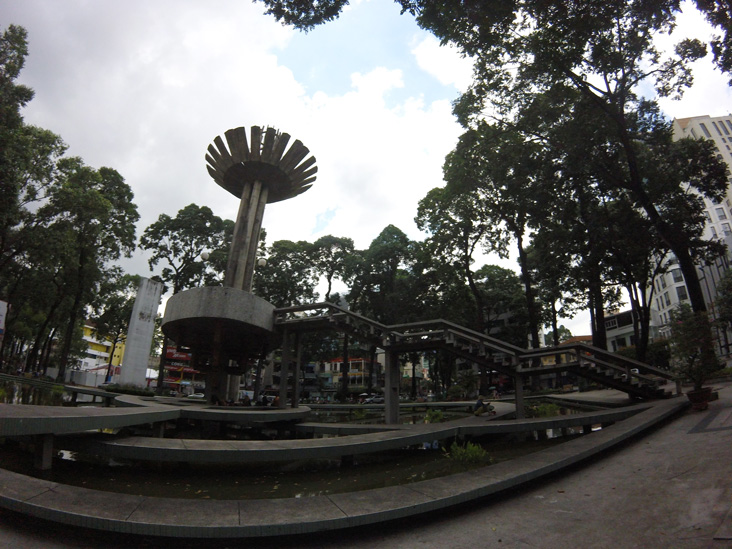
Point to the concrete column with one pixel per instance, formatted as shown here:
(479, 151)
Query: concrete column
(232, 392)
(44, 452)
(216, 376)
(518, 382)
(391, 386)
(285, 368)
(296, 372)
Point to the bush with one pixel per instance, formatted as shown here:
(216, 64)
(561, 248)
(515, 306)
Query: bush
(434, 416)
(658, 354)
(129, 390)
(544, 409)
(455, 392)
(358, 414)
(692, 345)
(470, 454)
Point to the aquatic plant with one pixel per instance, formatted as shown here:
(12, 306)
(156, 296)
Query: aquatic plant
(469, 454)
(434, 416)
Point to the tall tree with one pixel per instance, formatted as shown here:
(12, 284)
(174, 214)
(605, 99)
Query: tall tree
(380, 283)
(288, 278)
(329, 255)
(179, 242)
(605, 51)
(460, 226)
(510, 170)
(95, 208)
(113, 309)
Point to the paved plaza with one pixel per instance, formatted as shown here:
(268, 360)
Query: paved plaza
(671, 488)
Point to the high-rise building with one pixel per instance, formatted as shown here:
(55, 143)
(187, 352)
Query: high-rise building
(670, 287)
(719, 130)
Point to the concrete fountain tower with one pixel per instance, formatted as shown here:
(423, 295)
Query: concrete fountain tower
(226, 326)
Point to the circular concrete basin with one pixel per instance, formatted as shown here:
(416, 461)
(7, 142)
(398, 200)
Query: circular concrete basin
(241, 321)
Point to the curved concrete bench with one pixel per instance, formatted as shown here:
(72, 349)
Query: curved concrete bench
(256, 518)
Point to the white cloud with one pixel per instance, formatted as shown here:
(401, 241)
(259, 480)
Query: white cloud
(444, 63)
(144, 87)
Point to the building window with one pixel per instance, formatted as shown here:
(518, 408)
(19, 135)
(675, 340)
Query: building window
(666, 299)
(709, 217)
(721, 215)
(714, 232)
(705, 130)
(663, 281)
(612, 323)
(726, 229)
(729, 124)
(677, 276)
(681, 293)
(716, 128)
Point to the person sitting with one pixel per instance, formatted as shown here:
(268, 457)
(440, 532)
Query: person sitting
(481, 407)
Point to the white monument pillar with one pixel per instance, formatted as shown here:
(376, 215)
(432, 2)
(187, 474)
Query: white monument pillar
(140, 333)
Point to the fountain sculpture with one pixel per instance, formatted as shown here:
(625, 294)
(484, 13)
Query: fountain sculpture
(227, 326)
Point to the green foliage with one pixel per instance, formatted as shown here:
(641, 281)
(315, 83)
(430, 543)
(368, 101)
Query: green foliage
(467, 454)
(61, 225)
(434, 416)
(542, 409)
(289, 276)
(456, 392)
(658, 354)
(692, 345)
(113, 306)
(128, 389)
(381, 285)
(329, 254)
(465, 385)
(723, 301)
(178, 242)
(459, 227)
(358, 414)
(563, 334)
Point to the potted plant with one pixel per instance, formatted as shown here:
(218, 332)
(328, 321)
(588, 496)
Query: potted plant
(692, 352)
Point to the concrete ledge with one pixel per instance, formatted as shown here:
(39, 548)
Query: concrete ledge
(377, 440)
(17, 420)
(256, 518)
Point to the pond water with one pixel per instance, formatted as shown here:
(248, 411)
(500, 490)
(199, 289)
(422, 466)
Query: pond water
(375, 416)
(18, 392)
(254, 481)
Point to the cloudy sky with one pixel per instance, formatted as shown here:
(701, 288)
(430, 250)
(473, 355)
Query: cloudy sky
(143, 86)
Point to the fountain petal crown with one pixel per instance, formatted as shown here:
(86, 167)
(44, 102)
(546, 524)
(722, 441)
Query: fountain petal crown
(263, 158)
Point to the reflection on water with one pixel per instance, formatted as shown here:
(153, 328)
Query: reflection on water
(18, 392)
(267, 480)
(254, 481)
(370, 416)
